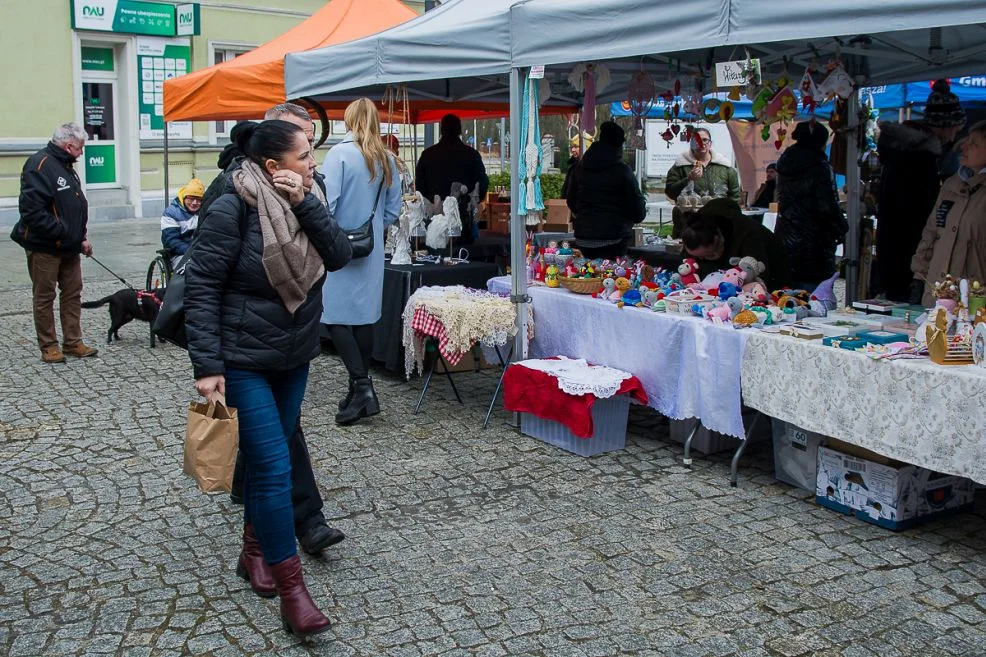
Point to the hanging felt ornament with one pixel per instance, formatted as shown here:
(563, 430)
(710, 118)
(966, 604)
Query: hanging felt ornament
(675, 128)
(689, 131)
(710, 110)
(759, 106)
(779, 142)
(641, 97)
(726, 110)
(837, 82)
(693, 104)
(590, 79)
(677, 87)
(765, 133)
(676, 110)
(782, 106)
(809, 91)
(667, 136)
(734, 94)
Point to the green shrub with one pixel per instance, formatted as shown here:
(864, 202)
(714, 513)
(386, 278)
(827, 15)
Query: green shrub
(551, 183)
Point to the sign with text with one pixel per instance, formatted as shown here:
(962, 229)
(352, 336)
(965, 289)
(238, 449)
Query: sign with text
(97, 59)
(135, 17)
(100, 164)
(661, 156)
(159, 60)
(739, 73)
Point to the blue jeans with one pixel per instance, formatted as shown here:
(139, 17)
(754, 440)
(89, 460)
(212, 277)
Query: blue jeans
(268, 404)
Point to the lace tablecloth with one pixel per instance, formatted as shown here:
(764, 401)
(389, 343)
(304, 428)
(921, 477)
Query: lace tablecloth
(689, 367)
(911, 410)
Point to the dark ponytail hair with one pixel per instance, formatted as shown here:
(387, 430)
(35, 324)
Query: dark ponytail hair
(700, 230)
(267, 140)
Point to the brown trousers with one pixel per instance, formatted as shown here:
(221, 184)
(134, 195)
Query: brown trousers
(46, 272)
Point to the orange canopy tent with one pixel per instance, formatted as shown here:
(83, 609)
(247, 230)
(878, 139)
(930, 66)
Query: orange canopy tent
(246, 87)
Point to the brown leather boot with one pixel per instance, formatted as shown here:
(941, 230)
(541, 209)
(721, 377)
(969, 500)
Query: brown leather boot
(299, 614)
(80, 350)
(52, 355)
(252, 566)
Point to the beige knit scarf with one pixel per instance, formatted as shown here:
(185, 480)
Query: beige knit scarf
(292, 264)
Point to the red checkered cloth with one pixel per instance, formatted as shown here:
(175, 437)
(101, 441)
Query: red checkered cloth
(426, 324)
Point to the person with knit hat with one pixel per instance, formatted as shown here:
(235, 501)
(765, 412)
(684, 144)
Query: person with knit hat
(810, 222)
(181, 218)
(911, 156)
(604, 197)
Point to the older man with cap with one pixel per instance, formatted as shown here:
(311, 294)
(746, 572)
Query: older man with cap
(604, 197)
(910, 155)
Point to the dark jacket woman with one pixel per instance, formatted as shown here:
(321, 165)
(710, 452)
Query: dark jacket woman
(811, 222)
(909, 185)
(604, 195)
(226, 286)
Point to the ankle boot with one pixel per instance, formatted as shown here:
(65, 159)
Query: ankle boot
(299, 615)
(344, 402)
(252, 566)
(363, 404)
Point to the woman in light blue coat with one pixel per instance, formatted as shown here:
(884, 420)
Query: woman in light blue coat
(360, 179)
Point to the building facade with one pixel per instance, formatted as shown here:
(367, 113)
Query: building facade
(101, 63)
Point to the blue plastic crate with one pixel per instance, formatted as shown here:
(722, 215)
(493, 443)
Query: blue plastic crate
(609, 422)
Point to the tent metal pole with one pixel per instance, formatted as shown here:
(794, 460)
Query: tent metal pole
(851, 252)
(518, 234)
(167, 181)
(503, 143)
(415, 146)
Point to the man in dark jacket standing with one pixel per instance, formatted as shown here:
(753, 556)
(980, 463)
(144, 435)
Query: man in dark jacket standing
(450, 161)
(52, 229)
(811, 223)
(604, 197)
(910, 155)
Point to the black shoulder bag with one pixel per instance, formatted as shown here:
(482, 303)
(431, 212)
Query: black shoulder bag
(361, 239)
(170, 322)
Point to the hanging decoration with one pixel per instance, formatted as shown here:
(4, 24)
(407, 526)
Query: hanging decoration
(641, 97)
(531, 201)
(809, 91)
(590, 79)
(837, 82)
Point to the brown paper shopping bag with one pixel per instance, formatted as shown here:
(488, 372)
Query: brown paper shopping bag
(211, 441)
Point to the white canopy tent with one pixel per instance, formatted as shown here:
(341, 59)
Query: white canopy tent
(475, 49)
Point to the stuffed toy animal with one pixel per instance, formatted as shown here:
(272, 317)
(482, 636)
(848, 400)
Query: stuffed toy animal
(735, 306)
(736, 276)
(688, 271)
(752, 267)
(711, 282)
(824, 295)
(609, 286)
(719, 314)
(727, 290)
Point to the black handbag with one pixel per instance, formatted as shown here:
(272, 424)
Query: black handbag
(361, 239)
(170, 322)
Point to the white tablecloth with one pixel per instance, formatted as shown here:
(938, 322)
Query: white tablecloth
(689, 367)
(911, 410)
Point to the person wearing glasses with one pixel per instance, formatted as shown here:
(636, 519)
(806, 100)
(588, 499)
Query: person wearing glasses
(54, 214)
(710, 173)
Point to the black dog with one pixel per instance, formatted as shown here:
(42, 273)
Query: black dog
(126, 305)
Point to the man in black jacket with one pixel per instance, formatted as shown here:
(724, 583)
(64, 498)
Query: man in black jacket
(52, 229)
(450, 161)
(604, 197)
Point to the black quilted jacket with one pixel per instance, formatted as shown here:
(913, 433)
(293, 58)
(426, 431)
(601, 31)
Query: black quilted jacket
(233, 317)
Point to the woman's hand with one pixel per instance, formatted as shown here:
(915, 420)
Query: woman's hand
(290, 185)
(211, 387)
(697, 171)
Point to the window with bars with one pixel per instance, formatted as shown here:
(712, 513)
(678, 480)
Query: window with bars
(226, 54)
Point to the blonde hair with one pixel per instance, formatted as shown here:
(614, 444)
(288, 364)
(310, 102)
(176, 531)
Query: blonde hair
(363, 121)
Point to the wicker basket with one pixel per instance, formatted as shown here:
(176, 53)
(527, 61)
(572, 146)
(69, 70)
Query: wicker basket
(581, 285)
(681, 301)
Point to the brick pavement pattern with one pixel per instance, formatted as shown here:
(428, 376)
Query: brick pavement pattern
(461, 541)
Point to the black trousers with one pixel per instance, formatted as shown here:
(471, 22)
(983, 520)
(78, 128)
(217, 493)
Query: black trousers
(305, 498)
(354, 344)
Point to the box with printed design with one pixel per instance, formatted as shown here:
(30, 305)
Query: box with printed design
(884, 492)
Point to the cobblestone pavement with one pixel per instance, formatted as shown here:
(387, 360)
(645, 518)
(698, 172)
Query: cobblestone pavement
(461, 541)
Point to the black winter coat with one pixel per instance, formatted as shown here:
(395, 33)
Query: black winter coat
(450, 161)
(811, 222)
(604, 195)
(233, 317)
(54, 211)
(909, 186)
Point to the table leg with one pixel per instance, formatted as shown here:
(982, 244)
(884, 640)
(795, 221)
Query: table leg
(687, 456)
(499, 384)
(448, 373)
(739, 450)
(424, 387)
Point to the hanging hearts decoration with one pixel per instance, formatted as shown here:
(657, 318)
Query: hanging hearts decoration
(668, 96)
(675, 128)
(677, 87)
(667, 136)
(781, 134)
(675, 110)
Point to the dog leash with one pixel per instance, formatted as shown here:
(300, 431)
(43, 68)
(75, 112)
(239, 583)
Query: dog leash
(117, 276)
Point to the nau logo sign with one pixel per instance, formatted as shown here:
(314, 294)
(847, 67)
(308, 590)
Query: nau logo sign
(97, 161)
(88, 10)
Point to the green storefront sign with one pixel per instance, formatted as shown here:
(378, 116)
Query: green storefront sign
(97, 59)
(100, 163)
(135, 17)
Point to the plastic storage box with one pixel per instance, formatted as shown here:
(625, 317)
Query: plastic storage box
(795, 454)
(609, 423)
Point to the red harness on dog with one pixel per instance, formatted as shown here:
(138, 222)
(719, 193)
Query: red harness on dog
(142, 294)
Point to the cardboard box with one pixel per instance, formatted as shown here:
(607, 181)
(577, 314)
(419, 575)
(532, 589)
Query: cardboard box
(892, 495)
(557, 228)
(796, 454)
(609, 423)
(498, 217)
(473, 361)
(557, 211)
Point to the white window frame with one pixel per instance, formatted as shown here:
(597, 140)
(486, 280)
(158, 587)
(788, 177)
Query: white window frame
(226, 47)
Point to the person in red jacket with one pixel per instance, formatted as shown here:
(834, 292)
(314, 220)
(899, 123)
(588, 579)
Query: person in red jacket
(54, 214)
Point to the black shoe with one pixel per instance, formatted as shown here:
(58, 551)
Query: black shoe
(363, 404)
(344, 402)
(320, 537)
(236, 499)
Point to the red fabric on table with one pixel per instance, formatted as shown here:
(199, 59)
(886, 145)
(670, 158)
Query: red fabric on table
(427, 324)
(536, 392)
